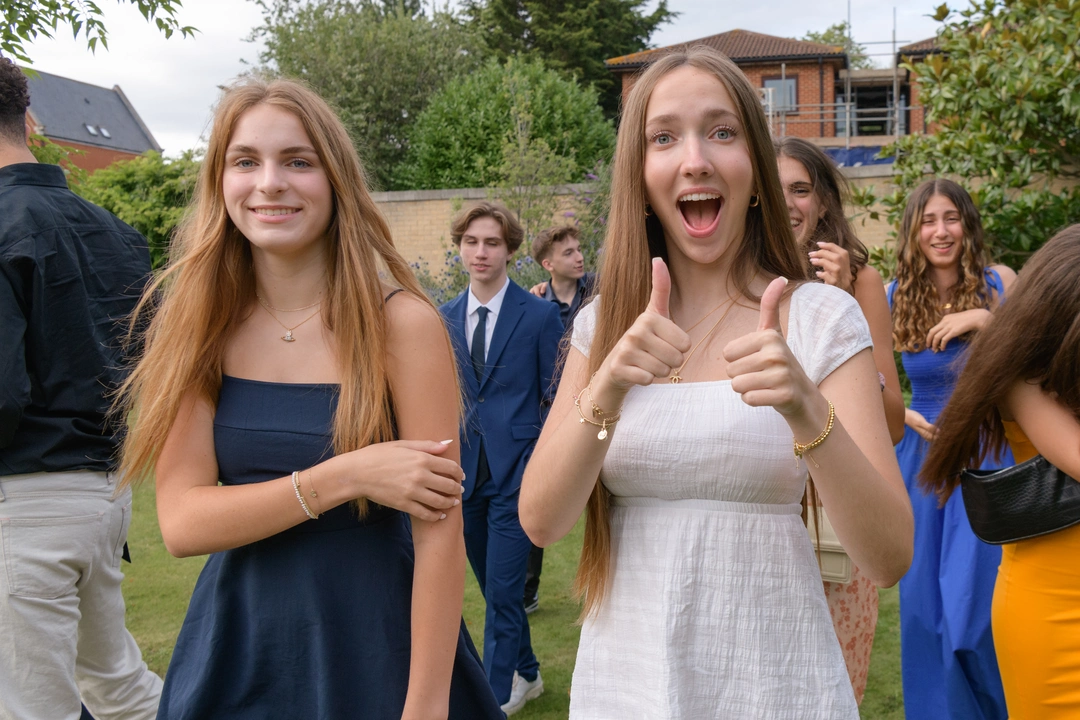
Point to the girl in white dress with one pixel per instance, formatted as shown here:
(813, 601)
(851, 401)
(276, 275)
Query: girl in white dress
(675, 423)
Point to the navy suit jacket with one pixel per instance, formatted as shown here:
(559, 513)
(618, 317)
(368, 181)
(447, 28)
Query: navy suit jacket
(508, 404)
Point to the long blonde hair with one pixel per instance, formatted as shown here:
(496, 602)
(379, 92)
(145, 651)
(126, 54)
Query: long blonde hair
(916, 304)
(632, 240)
(209, 284)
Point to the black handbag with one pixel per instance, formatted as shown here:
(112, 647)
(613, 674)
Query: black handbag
(1017, 503)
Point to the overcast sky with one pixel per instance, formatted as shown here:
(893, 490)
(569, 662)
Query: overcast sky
(174, 83)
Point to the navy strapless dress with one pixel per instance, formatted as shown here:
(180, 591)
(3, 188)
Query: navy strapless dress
(313, 622)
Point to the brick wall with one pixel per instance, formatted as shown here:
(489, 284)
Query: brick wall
(95, 157)
(815, 86)
(420, 219)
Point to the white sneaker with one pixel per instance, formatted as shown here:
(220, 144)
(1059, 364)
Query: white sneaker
(523, 691)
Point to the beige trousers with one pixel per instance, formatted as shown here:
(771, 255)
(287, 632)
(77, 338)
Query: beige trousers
(62, 633)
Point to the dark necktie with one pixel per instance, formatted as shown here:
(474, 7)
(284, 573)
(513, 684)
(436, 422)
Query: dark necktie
(479, 341)
(479, 338)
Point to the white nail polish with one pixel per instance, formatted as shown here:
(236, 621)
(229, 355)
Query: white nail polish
(443, 516)
(446, 442)
(456, 501)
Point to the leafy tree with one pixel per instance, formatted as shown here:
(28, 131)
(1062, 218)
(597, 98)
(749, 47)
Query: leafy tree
(50, 153)
(570, 35)
(460, 138)
(377, 62)
(26, 20)
(839, 34)
(149, 193)
(1003, 100)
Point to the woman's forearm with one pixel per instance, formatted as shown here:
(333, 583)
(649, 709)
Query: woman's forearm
(895, 413)
(567, 460)
(438, 588)
(856, 475)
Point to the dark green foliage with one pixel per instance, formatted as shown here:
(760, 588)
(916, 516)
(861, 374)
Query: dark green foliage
(1004, 100)
(50, 153)
(377, 63)
(26, 20)
(458, 141)
(149, 193)
(570, 35)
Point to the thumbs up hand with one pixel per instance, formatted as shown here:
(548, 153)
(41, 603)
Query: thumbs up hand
(760, 364)
(654, 346)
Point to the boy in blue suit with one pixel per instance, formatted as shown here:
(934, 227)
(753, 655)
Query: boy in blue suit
(505, 342)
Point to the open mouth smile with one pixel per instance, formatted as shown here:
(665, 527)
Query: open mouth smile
(700, 212)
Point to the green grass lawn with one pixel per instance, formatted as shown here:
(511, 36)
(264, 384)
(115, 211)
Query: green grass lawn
(158, 586)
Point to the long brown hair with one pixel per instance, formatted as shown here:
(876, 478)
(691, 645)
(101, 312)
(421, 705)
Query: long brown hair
(1035, 337)
(831, 188)
(209, 284)
(631, 241)
(916, 304)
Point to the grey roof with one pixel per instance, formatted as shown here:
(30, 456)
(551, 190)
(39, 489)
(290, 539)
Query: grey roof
(66, 107)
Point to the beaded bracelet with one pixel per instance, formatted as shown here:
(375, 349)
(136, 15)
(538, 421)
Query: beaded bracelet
(300, 495)
(801, 449)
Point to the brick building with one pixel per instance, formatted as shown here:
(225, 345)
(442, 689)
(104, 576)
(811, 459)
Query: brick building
(916, 53)
(808, 90)
(797, 79)
(100, 122)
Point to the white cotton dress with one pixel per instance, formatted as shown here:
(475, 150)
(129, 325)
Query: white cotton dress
(715, 607)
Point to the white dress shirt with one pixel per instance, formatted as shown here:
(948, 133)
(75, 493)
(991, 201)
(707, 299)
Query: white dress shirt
(472, 317)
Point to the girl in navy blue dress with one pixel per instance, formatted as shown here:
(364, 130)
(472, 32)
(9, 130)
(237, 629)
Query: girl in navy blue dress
(290, 405)
(943, 293)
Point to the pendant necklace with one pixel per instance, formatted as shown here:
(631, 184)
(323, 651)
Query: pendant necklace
(288, 336)
(676, 377)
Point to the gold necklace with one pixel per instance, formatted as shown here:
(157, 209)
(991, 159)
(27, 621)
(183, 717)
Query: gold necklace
(288, 336)
(705, 317)
(268, 306)
(677, 377)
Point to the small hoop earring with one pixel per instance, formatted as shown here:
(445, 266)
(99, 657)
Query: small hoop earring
(648, 210)
(755, 200)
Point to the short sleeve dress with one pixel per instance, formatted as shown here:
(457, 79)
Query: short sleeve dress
(715, 607)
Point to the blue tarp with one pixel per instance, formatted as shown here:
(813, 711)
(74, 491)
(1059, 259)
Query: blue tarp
(856, 156)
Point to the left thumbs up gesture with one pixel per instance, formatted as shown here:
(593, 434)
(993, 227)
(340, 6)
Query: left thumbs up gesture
(760, 364)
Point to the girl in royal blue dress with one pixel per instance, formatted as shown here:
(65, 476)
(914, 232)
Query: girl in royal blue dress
(943, 293)
(291, 405)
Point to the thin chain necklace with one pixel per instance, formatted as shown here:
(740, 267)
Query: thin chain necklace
(676, 378)
(288, 336)
(268, 306)
(705, 316)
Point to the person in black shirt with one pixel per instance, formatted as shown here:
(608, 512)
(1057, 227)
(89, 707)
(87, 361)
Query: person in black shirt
(558, 251)
(70, 274)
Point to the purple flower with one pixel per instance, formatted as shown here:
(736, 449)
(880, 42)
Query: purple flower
(568, 213)
(591, 176)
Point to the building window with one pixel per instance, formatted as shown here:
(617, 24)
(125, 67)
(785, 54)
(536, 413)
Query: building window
(91, 129)
(784, 93)
(105, 133)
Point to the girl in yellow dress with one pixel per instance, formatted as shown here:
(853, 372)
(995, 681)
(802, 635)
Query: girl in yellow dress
(1021, 387)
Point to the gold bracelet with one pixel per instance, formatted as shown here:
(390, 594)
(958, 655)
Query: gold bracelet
(801, 449)
(604, 420)
(311, 492)
(596, 411)
(300, 495)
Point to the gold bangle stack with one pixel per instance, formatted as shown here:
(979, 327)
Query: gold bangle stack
(606, 418)
(801, 449)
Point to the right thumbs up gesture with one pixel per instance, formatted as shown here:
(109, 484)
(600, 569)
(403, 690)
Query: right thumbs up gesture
(654, 347)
